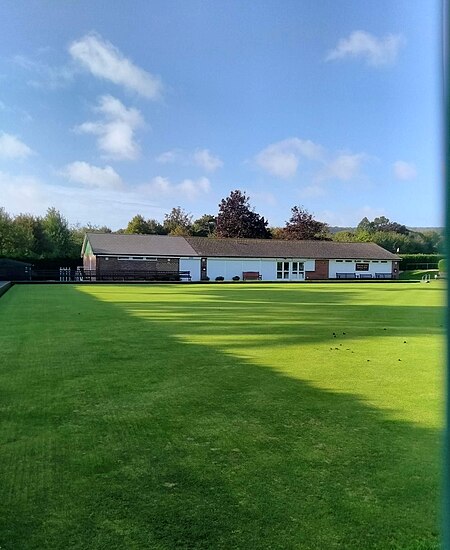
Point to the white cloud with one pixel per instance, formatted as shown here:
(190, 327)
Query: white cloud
(22, 193)
(200, 157)
(281, 159)
(169, 157)
(344, 167)
(116, 131)
(163, 187)
(92, 176)
(363, 45)
(404, 170)
(106, 61)
(349, 217)
(12, 148)
(207, 161)
(311, 192)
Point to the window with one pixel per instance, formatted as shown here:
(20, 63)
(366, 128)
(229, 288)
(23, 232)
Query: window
(282, 270)
(384, 261)
(340, 261)
(297, 269)
(290, 270)
(349, 261)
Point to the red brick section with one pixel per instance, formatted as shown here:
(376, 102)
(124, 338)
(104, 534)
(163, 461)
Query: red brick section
(113, 264)
(321, 271)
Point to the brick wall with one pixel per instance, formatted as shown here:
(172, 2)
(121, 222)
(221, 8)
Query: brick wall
(320, 272)
(160, 264)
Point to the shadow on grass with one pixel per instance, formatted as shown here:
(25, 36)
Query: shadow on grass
(118, 435)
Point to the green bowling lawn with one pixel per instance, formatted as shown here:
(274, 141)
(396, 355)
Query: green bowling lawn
(233, 416)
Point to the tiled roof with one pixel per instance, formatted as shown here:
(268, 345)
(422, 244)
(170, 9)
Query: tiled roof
(139, 245)
(163, 245)
(270, 248)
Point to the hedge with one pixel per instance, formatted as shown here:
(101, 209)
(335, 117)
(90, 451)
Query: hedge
(416, 261)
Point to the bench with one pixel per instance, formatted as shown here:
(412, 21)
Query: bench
(345, 276)
(365, 275)
(251, 276)
(383, 276)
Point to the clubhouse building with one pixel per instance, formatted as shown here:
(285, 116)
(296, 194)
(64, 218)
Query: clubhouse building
(108, 256)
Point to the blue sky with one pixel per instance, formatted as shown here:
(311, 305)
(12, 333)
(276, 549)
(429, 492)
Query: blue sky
(109, 109)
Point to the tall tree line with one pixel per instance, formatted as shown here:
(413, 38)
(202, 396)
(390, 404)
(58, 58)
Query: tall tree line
(51, 237)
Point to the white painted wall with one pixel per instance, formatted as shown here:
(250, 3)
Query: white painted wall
(266, 267)
(350, 267)
(229, 267)
(192, 265)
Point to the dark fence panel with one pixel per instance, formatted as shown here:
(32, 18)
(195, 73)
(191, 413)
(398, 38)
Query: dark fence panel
(92, 275)
(68, 274)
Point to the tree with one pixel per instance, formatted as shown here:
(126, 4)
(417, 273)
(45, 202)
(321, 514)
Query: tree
(237, 219)
(57, 235)
(365, 225)
(434, 240)
(302, 226)
(204, 226)
(140, 226)
(177, 222)
(78, 232)
(381, 224)
(5, 232)
(155, 228)
(28, 236)
(277, 232)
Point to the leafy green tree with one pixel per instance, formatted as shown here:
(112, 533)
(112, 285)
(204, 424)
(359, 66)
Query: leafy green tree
(78, 232)
(155, 228)
(5, 232)
(178, 222)
(381, 224)
(57, 235)
(365, 225)
(434, 240)
(137, 226)
(360, 236)
(276, 232)
(204, 226)
(237, 219)
(302, 226)
(24, 243)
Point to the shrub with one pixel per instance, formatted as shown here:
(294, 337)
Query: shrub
(236, 278)
(442, 265)
(220, 278)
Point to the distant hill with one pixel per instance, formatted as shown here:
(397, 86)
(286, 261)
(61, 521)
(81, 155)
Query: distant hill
(422, 229)
(336, 229)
